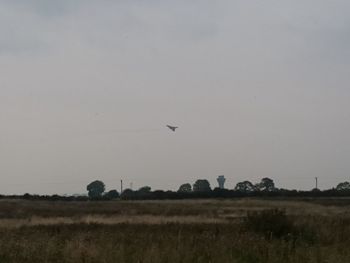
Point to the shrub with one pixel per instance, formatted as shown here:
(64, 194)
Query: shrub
(271, 223)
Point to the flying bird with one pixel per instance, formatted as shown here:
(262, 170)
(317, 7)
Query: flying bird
(173, 128)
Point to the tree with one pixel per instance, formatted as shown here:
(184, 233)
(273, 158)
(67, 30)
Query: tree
(127, 194)
(245, 187)
(345, 186)
(185, 188)
(95, 189)
(266, 185)
(201, 185)
(144, 190)
(112, 194)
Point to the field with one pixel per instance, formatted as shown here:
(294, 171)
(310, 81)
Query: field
(241, 230)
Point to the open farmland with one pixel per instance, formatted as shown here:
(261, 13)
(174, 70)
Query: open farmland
(244, 230)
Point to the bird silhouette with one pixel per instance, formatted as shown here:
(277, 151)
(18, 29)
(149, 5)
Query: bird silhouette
(173, 128)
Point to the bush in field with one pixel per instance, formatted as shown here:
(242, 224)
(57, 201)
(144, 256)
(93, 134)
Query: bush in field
(271, 223)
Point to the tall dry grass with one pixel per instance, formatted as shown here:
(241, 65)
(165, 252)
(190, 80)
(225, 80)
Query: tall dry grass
(174, 231)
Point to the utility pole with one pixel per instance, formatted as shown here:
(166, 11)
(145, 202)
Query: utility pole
(121, 186)
(316, 179)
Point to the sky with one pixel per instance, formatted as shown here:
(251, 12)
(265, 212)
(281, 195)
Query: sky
(257, 88)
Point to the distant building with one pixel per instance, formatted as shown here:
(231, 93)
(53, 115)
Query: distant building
(221, 181)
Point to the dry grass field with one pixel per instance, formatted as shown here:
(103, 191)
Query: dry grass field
(241, 230)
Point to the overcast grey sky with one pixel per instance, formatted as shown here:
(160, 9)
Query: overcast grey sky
(258, 88)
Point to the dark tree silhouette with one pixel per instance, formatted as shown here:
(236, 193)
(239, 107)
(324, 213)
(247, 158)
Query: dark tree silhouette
(343, 186)
(144, 193)
(127, 194)
(245, 187)
(144, 189)
(112, 194)
(185, 188)
(201, 185)
(266, 185)
(95, 189)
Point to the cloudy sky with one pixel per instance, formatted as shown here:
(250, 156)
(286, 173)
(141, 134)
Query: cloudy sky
(258, 88)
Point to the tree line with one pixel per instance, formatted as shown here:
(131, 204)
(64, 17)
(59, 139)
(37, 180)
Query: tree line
(200, 189)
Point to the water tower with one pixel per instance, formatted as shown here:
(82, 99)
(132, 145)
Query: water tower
(221, 181)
